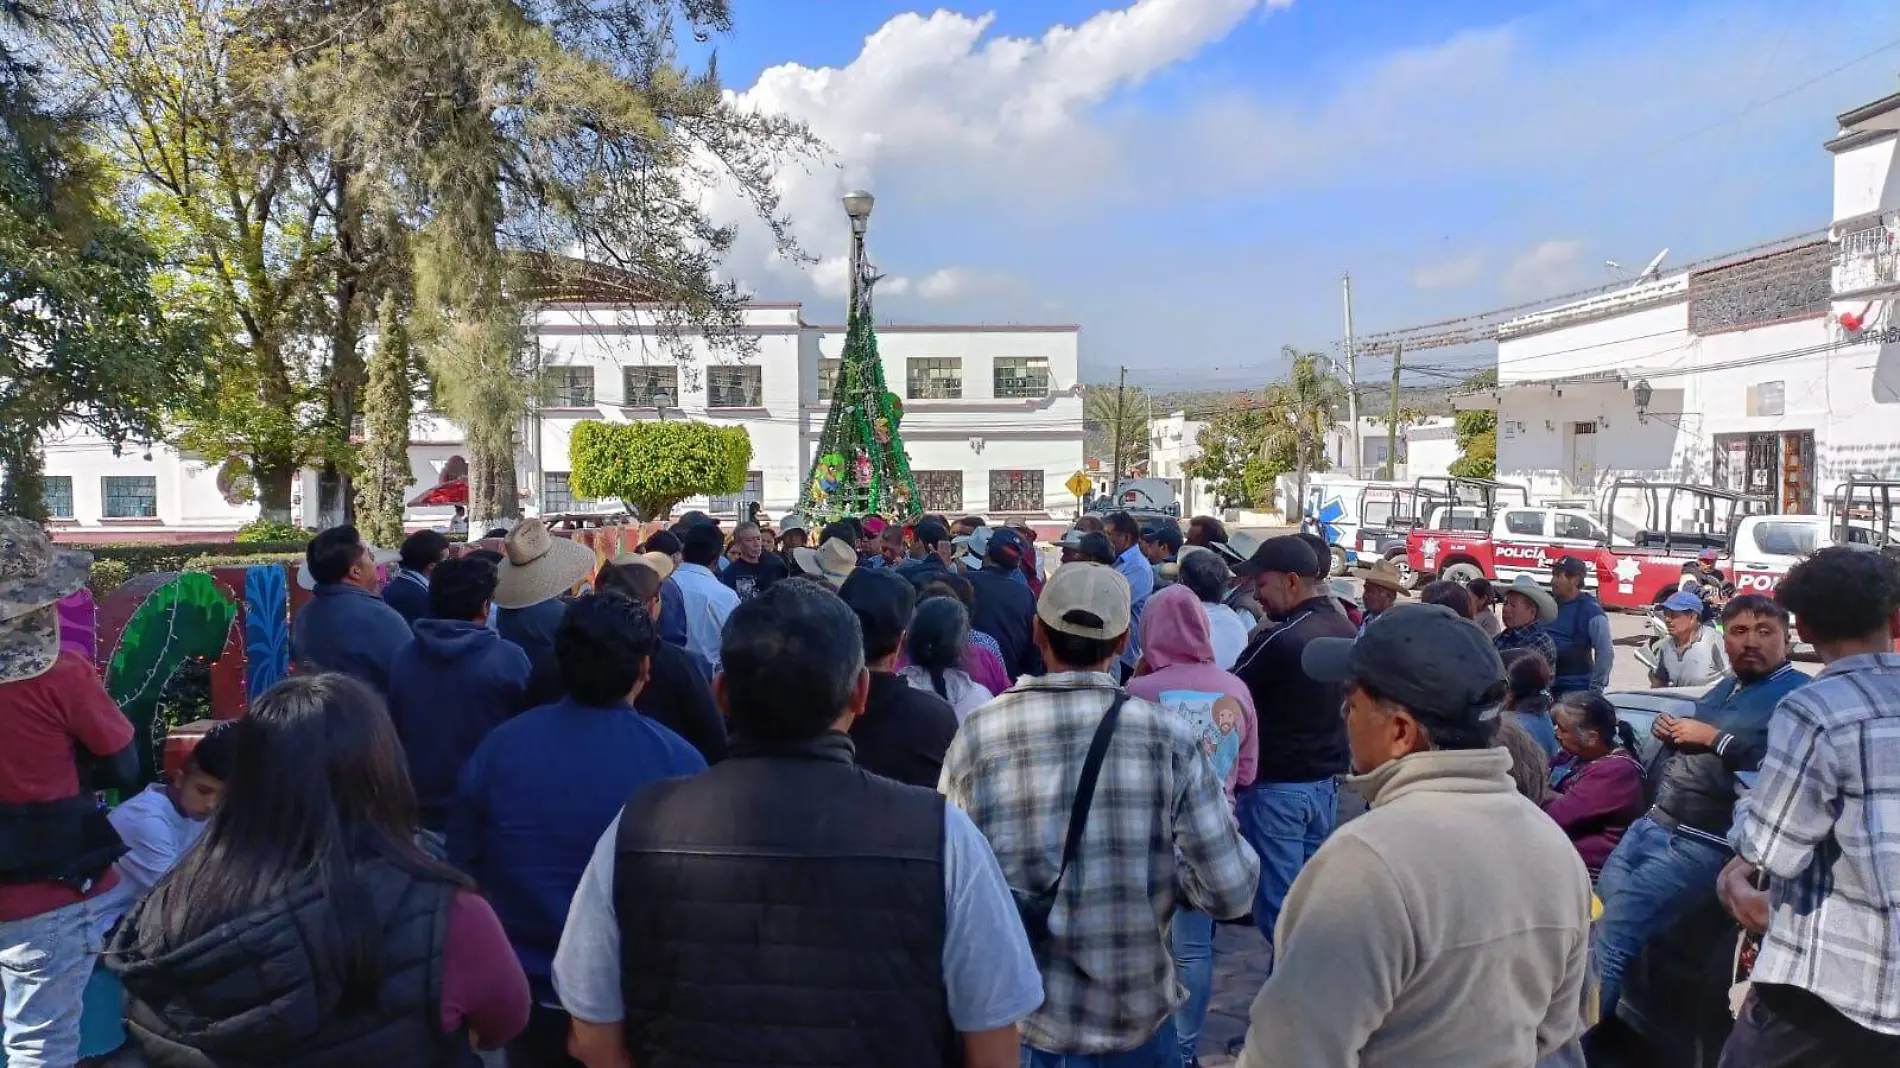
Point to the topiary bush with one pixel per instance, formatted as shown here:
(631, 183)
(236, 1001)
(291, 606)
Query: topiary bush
(106, 576)
(141, 558)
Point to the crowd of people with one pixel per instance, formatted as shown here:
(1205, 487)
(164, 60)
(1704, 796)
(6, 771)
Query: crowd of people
(897, 793)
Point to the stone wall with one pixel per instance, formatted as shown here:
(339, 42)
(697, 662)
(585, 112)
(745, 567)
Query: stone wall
(1792, 284)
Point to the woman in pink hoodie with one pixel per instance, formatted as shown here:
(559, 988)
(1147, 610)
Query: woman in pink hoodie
(1177, 671)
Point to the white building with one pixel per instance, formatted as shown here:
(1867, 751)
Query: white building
(1426, 448)
(993, 421)
(1173, 443)
(1776, 373)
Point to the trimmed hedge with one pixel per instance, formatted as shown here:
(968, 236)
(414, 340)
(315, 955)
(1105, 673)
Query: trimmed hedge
(106, 576)
(145, 557)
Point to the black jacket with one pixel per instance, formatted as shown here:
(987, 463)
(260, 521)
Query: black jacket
(1302, 735)
(1696, 790)
(921, 571)
(678, 697)
(784, 908)
(904, 732)
(265, 989)
(1003, 610)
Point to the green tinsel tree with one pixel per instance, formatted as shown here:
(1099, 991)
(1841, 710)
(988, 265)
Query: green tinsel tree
(860, 466)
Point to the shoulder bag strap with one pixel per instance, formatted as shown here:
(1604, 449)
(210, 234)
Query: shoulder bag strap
(1085, 788)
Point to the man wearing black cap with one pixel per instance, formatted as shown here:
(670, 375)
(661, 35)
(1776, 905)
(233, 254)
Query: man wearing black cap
(1004, 605)
(1581, 631)
(904, 731)
(933, 538)
(1449, 925)
(1294, 801)
(1161, 542)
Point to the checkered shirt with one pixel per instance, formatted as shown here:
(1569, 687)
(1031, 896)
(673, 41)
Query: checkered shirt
(1160, 829)
(1534, 637)
(1824, 822)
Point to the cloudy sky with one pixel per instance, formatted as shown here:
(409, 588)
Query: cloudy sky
(1187, 179)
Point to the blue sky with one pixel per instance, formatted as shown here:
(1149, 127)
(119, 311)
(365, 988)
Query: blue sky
(1187, 179)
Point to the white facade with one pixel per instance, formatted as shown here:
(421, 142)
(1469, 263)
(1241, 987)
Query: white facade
(1754, 377)
(1426, 448)
(1173, 443)
(993, 424)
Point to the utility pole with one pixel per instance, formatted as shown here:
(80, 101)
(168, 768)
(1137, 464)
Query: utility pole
(1121, 418)
(1352, 382)
(1392, 418)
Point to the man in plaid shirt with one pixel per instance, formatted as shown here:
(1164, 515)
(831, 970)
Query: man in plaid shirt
(1823, 822)
(1159, 830)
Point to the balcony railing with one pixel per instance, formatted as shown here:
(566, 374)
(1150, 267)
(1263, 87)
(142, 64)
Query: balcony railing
(1867, 256)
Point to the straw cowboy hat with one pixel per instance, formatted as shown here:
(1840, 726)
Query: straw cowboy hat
(661, 563)
(1386, 573)
(1539, 596)
(35, 575)
(537, 566)
(833, 561)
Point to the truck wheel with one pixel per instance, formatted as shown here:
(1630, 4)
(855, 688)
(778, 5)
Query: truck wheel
(1340, 565)
(1461, 573)
(1408, 578)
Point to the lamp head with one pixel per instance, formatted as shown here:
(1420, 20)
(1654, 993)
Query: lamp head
(1643, 393)
(858, 204)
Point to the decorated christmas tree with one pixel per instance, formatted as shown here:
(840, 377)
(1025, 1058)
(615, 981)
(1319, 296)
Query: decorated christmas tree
(860, 466)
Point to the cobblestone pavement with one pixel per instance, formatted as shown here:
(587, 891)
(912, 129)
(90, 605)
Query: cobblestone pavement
(1241, 958)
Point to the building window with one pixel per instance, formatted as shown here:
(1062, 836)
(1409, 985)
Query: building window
(942, 491)
(932, 378)
(567, 387)
(130, 496)
(1015, 491)
(828, 378)
(754, 491)
(734, 387)
(59, 496)
(1022, 377)
(557, 499)
(642, 384)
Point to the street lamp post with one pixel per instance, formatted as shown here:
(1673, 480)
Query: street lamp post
(857, 204)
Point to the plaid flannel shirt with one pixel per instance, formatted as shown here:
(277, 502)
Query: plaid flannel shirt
(1159, 829)
(1824, 822)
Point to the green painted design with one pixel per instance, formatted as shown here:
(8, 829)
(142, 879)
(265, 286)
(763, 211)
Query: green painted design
(187, 618)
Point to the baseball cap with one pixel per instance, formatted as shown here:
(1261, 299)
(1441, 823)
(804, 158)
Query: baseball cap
(874, 525)
(1570, 565)
(1709, 556)
(1164, 534)
(975, 546)
(930, 532)
(1287, 553)
(1086, 600)
(1683, 601)
(1006, 547)
(882, 600)
(1424, 656)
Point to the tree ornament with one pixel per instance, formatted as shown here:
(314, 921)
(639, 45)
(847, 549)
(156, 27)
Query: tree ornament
(863, 466)
(881, 430)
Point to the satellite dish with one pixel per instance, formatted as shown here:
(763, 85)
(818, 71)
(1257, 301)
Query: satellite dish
(1654, 270)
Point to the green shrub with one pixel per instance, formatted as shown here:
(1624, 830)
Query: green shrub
(106, 576)
(206, 563)
(143, 558)
(267, 531)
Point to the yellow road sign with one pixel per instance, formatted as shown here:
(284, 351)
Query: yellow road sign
(1079, 483)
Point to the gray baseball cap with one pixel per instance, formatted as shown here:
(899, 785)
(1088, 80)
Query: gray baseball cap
(1424, 656)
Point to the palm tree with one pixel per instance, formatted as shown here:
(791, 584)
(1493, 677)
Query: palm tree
(1302, 408)
(1107, 411)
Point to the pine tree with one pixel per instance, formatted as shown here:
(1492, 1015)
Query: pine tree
(861, 466)
(382, 488)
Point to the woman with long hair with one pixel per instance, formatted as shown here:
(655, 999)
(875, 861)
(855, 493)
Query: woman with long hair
(1528, 676)
(937, 643)
(307, 928)
(1600, 791)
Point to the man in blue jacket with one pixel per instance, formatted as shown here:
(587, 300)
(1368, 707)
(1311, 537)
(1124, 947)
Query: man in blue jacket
(454, 682)
(408, 592)
(346, 628)
(1581, 631)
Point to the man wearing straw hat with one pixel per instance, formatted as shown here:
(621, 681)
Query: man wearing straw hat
(1384, 586)
(536, 569)
(56, 846)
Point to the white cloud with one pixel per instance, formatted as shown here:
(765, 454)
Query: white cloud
(935, 110)
(1456, 273)
(1546, 267)
(955, 283)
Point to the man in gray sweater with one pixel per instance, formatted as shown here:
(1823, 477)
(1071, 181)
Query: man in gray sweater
(1449, 926)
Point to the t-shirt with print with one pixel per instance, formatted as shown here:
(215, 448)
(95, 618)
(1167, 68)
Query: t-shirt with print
(750, 580)
(44, 720)
(989, 974)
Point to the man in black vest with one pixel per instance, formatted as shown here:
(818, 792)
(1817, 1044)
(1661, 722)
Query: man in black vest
(786, 906)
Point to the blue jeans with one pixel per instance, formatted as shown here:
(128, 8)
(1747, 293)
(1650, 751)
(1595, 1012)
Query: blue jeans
(1286, 823)
(45, 963)
(1193, 936)
(1160, 1051)
(1653, 879)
